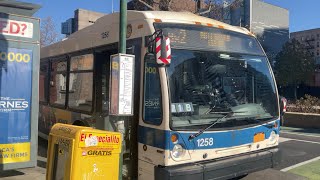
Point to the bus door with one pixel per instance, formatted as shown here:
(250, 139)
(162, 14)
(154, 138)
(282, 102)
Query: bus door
(151, 139)
(130, 156)
(112, 123)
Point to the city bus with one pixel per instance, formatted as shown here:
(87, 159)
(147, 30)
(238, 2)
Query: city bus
(210, 112)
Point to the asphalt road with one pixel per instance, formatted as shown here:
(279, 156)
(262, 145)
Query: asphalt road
(297, 148)
(300, 157)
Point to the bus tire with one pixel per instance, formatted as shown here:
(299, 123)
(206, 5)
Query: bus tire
(80, 123)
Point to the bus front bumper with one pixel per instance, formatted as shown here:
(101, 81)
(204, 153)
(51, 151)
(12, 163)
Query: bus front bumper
(220, 169)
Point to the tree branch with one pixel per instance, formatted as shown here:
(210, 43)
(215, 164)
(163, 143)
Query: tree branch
(146, 4)
(207, 11)
(169, 4)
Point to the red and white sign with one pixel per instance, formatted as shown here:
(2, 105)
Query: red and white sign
(16, 28)
(161, 60)
(284, 104)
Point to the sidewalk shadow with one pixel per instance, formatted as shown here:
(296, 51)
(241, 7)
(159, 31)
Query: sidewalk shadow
(42, 152)
(306, 130)
(41, 164)
(42, 147)
(10, 173)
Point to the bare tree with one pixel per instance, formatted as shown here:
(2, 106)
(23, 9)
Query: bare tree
(221, 10)
(48, 33)
(166, 5)
(216, 9)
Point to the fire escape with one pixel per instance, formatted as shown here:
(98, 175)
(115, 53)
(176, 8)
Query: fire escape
(310, 47)
(310, 44)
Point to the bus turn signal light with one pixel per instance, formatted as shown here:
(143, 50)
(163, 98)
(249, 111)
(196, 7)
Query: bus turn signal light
(174, 138)
(258, 137)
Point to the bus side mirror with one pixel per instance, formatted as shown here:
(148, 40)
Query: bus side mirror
(283, 105)
(163, 50)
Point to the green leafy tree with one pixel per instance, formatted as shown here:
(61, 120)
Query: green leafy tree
(294, 65)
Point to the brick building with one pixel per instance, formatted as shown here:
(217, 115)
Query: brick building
(311, 40)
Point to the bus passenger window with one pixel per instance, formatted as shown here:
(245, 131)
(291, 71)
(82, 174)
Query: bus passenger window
(58, 81)
(152, 95)
(81, 82)
(43, 82)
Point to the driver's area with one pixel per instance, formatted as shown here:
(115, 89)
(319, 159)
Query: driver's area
(206, 85)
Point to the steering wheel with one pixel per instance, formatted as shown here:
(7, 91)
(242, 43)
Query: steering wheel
(239, 94)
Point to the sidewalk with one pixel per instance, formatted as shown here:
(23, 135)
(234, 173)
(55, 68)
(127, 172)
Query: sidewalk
(305, 131)
(36, 173)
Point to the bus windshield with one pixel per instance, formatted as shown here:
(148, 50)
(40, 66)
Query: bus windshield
(205, 85)
(209, 82)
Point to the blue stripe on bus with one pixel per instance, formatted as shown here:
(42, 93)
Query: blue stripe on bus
(154, 137)
(161, 138)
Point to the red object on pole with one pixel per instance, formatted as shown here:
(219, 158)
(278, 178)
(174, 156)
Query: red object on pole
(163, 60)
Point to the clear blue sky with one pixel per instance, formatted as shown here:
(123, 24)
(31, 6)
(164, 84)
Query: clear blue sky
(304, 14)
(61, 10)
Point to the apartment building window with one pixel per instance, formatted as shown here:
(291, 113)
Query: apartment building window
(318, 53)
(318, 36)
(318, 44)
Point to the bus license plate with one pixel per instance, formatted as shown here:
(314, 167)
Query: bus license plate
(258, 137)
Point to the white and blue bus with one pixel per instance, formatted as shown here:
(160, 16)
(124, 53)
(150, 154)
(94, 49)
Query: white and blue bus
(212, 113)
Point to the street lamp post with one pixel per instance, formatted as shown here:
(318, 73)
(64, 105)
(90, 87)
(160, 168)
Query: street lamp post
(122, 50)
(123, 26)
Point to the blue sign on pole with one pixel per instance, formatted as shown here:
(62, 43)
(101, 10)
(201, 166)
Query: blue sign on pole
(15, 104)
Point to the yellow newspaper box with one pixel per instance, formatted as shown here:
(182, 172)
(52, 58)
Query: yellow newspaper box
(77, 153)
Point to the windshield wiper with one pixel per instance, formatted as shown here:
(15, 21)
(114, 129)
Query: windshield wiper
(247, 119)
(230, 114)
(256, 120)
(192, 136)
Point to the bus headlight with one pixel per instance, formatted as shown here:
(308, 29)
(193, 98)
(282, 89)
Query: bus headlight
(273, 138)
(178, 151)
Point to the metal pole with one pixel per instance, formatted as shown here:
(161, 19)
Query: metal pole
(123, 26)
(122, 49)
(112, 7)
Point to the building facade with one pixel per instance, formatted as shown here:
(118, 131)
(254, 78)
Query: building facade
(311, 40)
(268, 22)
(82, 18)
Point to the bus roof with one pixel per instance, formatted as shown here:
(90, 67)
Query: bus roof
(106, 30)
(188, 18)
